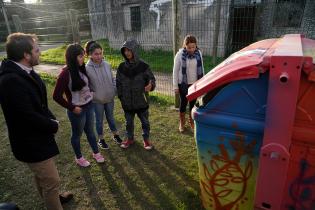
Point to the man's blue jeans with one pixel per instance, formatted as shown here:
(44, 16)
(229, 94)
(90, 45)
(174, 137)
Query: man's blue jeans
(79, 123)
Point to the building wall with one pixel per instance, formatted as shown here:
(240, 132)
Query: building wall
(268, 30)
(197, 18)
(97, 18)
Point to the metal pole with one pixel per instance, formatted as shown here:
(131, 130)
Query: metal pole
(176, 9)
(73, 24)
(176, 28)
(5, 16)
(17, 23)
(216, 32)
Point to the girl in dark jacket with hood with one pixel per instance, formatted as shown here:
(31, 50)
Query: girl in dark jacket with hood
(134, 80)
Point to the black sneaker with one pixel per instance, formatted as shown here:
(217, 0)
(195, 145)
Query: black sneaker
(102, 144)
(117, 139)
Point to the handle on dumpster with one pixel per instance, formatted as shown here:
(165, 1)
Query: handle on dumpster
(284, 77)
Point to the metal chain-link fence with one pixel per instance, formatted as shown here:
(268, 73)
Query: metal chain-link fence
(221, 27)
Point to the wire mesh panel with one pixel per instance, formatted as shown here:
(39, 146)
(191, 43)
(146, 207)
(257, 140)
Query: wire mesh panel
(221, 27)
(280, 17)
(51, 21)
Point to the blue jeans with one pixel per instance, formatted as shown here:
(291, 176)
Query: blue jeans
(79, 123)
(144, 118)
(108, 109)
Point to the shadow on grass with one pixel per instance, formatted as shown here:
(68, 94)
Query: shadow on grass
(95, 199)
(172, 176)
(152, 185)
(136, 191)
(191, 194)
(121, 200)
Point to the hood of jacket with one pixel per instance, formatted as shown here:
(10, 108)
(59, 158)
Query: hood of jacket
(95, 65)
(136, 67)
(134, 47)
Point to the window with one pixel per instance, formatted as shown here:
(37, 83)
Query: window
(132, 18)
(288, 13)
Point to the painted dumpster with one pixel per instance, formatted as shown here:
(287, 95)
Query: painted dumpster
(255, 132)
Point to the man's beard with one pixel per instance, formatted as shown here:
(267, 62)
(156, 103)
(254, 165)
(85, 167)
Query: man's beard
(34, 62)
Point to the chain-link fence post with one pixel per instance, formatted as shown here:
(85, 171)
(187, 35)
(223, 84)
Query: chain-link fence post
(4, 12)
(176, 18)
(216, 32)
(17, 23)
(72, 17)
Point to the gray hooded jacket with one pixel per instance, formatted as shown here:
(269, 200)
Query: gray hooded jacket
(131, 79)
(102, 81)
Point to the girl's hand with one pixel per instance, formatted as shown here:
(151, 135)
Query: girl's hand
(176, 91)
(77, 110)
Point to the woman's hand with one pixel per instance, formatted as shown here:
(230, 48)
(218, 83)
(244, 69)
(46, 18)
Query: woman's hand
(176, 91)
(77, 110)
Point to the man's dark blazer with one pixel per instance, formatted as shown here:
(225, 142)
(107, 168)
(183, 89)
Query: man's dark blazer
(23, 99)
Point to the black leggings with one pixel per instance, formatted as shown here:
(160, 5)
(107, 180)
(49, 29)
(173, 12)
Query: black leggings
(183, 100)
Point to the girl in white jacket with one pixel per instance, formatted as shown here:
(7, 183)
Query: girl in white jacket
(188, 68)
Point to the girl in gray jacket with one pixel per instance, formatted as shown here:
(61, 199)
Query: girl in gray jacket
(103, 85)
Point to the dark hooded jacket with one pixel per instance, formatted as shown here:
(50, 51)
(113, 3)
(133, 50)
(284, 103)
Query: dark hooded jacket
(131, 79)
(24, 103)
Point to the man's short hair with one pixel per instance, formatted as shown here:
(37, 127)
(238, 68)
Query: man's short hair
(19, 43)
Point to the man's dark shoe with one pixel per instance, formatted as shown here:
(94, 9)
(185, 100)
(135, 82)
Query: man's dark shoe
(117, 139)
(102, 144)
(65, 197)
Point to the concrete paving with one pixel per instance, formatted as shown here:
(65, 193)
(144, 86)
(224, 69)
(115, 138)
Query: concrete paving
(42, 47)
(48, 68)
(163, 80)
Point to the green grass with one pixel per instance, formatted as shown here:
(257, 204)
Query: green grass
(2, 46)
(165, 178)
(54, 56)
(158, 59)
(48, 78)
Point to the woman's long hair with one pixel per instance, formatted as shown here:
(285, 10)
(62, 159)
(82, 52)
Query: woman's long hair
(72, 52)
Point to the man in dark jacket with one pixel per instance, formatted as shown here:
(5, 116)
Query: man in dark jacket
(134, 80)
(31, 125)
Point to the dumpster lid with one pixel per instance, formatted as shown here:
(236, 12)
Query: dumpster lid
(247, 63)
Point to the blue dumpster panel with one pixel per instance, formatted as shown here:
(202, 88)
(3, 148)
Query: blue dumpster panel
(229, 133)
(245, 98)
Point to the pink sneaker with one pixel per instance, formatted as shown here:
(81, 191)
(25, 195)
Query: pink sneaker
(98, 157)
(82, 162)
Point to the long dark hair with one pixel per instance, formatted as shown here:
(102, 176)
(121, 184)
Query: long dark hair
(72, 52)
(90, 46)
